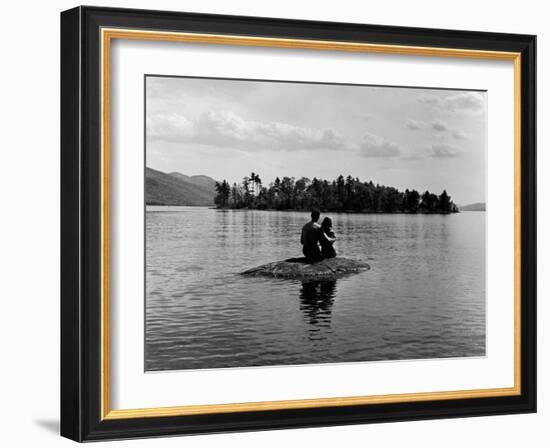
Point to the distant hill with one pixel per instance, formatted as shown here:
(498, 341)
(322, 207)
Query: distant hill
(199, 179)
(178, 189)
(476, 207)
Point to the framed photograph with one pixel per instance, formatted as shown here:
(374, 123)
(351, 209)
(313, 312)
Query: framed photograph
(273, 223)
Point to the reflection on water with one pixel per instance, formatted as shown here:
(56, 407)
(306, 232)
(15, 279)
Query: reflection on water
(424, 296)
(316, 300)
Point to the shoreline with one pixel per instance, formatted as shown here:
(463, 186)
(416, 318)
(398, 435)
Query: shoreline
(351, 212)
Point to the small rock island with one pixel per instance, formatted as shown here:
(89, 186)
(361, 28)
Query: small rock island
(299, 269)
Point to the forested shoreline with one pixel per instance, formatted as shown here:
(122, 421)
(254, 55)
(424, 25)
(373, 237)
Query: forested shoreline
(339, 195)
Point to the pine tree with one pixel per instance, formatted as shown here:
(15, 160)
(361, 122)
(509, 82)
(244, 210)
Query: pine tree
(340, 194)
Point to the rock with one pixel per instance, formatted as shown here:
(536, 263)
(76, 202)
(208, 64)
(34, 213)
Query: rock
(297, 268)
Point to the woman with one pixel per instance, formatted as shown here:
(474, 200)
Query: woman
(327, 239)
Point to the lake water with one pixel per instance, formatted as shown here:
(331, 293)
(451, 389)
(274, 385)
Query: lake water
(424, 296)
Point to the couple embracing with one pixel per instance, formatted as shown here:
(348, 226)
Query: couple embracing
(318, 240)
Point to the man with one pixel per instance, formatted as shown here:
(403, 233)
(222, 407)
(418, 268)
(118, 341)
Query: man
(310, 238)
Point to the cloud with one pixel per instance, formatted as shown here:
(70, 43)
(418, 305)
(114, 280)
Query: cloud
(169, 127)
(227, 129)
(443, 150)
(413, 156)
(439, 126)
(414, 125)
(458, 102)
(376, 146)
(459, 135)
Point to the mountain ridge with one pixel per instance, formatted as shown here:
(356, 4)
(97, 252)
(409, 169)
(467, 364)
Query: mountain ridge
(197, 179)
(178, 189)
(474, 207)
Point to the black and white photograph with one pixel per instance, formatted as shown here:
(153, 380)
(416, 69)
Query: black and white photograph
(275, 224)
(294, 223)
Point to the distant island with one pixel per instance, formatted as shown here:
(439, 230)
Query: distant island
(475, 207)
(339, 195)
(178, 189)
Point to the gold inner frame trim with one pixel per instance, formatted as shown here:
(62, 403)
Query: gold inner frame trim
(107, 35)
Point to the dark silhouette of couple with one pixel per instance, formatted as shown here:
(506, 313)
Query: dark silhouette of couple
(318, 240)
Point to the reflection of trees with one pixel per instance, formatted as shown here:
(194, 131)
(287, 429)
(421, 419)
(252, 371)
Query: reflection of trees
(222, 226)
(316, 300)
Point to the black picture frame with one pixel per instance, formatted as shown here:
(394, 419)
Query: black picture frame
(81, 224)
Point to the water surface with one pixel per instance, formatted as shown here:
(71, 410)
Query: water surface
(424, 296)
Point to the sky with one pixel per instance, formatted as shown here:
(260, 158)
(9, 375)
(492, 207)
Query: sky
(421, 138)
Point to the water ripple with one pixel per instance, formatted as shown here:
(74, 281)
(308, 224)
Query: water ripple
(423, 298)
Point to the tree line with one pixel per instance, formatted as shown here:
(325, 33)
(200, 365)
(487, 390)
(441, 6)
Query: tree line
(339, 195)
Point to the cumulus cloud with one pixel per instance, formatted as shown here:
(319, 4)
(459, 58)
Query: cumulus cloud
(376, 146)
(458, 102)
(169, 127)
(227, 129)
(459, 135)
(439, 126)
(443, 150)
(414, 125)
